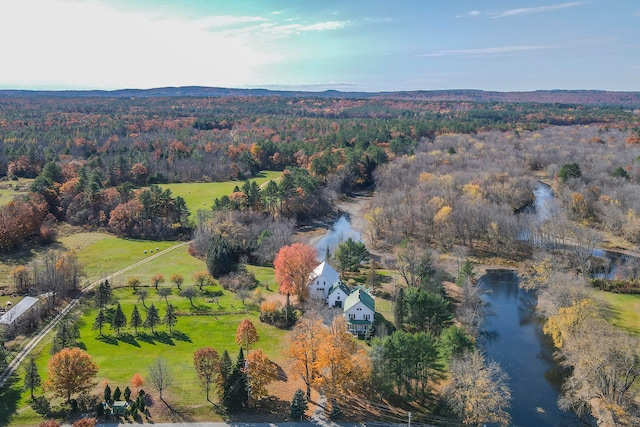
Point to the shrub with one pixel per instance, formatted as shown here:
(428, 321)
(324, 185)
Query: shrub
(86, 422)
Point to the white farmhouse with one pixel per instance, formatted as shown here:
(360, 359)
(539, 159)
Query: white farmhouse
(358, 306)
(321, 280)
(359, 310)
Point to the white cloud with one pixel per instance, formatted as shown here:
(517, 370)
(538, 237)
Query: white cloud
(297, 28)
(90, 44)
(538, 9)
(488, 50)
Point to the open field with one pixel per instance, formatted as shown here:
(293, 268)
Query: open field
(11, 189)
(624, 310)
(200, 195)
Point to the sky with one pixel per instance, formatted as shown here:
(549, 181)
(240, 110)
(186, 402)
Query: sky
(347, 45)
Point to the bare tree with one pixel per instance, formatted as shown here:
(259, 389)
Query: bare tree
(478, 391)
(605, 365)
(160, 376)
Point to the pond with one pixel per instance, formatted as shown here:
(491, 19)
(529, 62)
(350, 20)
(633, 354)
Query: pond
(339, 232)
(515, 340)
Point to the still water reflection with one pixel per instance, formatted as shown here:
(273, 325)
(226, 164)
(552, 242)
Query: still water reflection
(515, 340)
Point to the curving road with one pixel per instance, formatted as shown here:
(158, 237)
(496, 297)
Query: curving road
(15, 362)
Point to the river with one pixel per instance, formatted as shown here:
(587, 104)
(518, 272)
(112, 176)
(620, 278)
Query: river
(515, 340)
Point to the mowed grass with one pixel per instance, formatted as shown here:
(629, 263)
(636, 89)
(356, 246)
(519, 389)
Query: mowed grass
(107, 254)
(200, 195)
(120, 357)
(624, 310)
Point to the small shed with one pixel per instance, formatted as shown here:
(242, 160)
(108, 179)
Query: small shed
(18, 310)
(119, 407)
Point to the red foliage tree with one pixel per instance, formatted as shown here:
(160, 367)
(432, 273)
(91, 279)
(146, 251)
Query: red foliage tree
(293, 264)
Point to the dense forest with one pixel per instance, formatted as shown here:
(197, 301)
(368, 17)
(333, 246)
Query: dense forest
(88, 154)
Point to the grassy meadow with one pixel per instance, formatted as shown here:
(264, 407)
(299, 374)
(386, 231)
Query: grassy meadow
(200, 195)
(11, 189)
(623, 310)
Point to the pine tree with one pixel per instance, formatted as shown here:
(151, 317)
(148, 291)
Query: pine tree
(117, 394)
(127, 393)
(399, 309)
(136, 320)
(153, 318)
(31, 376)
(170, 319)
(236, 396)
(225, 374)
(101, 320)
(107, 393)
(119, 320)
(66, 336)
(466, 271)
(298, 405)
(220, 257)
(103, 294)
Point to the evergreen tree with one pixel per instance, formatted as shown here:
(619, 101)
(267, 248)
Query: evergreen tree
(236, 396)
(127, 393)
(170, 319)
(136, 320)
(153, 318)
(466, 272)
(298, 405)
(225, 374)
(220, 257)
(117, 394)
(119, 320)
(101, 320)
(107, 393)
(104, 294)
(66, 336)
(31, 376)
(399, 309)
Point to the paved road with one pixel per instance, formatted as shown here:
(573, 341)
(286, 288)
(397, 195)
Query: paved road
(15, 362)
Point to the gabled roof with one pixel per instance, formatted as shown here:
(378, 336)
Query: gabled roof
(337, 286)
(18, 310)
(359, 295)
(326, 271)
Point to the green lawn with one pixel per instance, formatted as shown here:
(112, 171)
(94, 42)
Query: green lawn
(200, 195)
(624, 310)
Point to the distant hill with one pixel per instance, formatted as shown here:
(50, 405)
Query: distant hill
(582, 97)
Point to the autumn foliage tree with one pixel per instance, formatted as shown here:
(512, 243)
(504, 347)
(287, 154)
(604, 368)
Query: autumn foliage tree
(70, 371)
(206, 362)
(246, 334)
(342, 368)
(260, 372)
(307, 337)
(293, 264)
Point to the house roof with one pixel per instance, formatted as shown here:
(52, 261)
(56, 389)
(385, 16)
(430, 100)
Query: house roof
(339, 285)
(326, 271)
(359, 295)
(18, 310)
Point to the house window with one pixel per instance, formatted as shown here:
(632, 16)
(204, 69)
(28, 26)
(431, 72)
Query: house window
(352, 316)
(317, 282)
(366, 317)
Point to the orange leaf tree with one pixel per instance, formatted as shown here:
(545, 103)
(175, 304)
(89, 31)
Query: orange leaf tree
(246, 334)
(306, 339)
(206, 361)
(71, 371)
(137, 381)
(260, 372)
(343, 369)
(293, 264)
